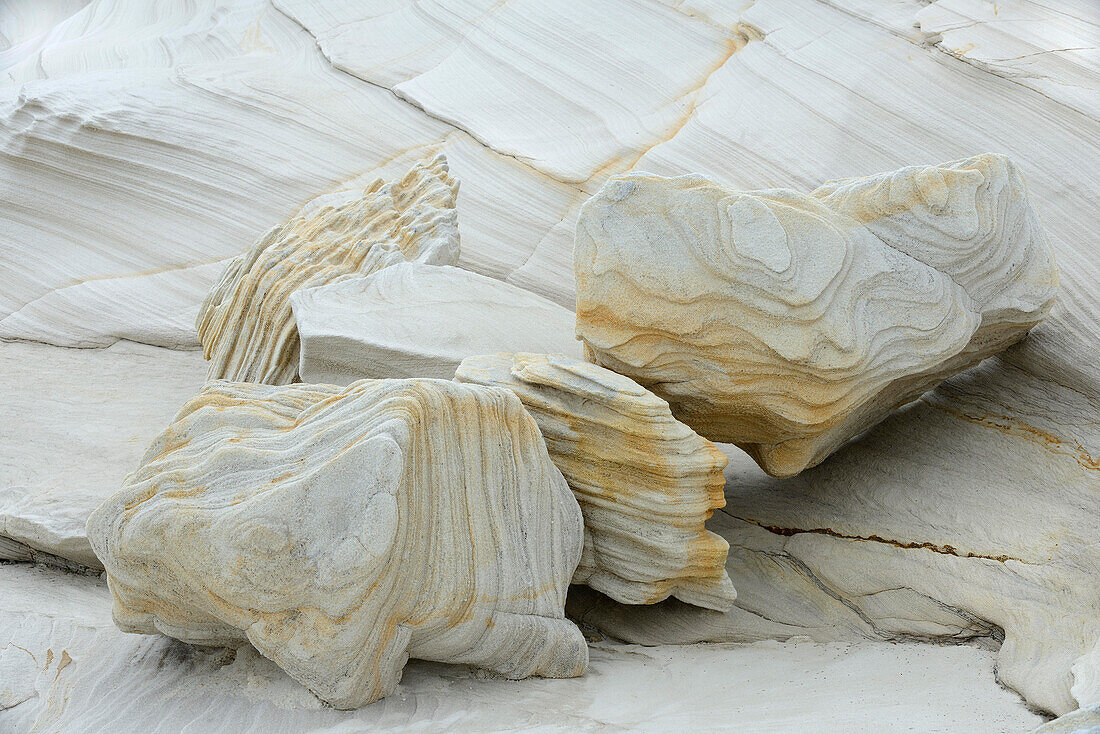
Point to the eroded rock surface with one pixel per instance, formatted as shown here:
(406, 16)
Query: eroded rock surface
(246, 324)
(414, 320)
(787, 323)
(646, 483)
(342, 531)
(994, 543)
(66, 668)
(143, 147)
(79, 422)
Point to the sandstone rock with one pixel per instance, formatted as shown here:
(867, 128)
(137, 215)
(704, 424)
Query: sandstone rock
(342, 531)
(144, 146)
(66, 669)
(788, 324)
(80, 422)
(646, 483)
(1085, 720)
(993, 542)
(413, 320)
(246, 325)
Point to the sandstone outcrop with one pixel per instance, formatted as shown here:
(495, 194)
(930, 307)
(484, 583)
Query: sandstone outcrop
(246, 324)
(343, 530)
(787, 323)
(646, 483)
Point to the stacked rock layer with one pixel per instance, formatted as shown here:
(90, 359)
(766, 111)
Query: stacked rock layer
(646, 482)
(787, 323)
(246, 324)
(343, 530)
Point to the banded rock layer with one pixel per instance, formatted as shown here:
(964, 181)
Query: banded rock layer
(343, 530)
(787, 323)
(246, 324)
(646, 483)
(414, 320)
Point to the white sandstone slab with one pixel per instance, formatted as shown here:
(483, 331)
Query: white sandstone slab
(411, 37)
(412, 320)
(77, 422)
(157, 309)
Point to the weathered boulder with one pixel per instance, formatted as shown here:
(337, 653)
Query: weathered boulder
(646, 483)
(343, 530)
(413, 320)
(788, 323)
(246, 325)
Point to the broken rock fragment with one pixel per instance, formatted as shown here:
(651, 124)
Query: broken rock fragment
(414, 320)
(646, 482)
(788, 323)
(246, 325)
(343, 530)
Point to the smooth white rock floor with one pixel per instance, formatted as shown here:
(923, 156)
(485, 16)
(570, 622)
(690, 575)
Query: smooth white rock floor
(65, 668)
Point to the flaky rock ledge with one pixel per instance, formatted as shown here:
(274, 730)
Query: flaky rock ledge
(646, 483)
(246, 324)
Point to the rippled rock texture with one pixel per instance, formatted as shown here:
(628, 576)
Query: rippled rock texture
(787, 323)
(246, 324)
(646, 483)
(414, 320)
(143, 146)
(67, 669)
(343, 530)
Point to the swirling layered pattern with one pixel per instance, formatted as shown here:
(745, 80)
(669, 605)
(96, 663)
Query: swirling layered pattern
(343, 530)
(246, 324)
(788, 323)
(969, 219)
(646, 483)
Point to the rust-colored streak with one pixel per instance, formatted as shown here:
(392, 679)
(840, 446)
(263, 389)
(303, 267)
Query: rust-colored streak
(1012, 426)
(63, 663)
(947, 550)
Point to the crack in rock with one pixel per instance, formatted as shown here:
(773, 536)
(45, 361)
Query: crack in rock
(948, 550)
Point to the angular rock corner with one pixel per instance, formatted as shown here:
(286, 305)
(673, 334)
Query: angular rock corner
(246, 324)
(414, 320)
(646, 482)
(788, 323)
(343, 530)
